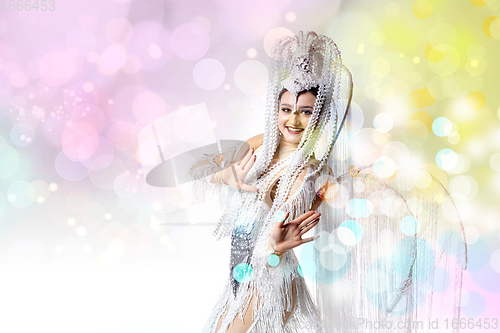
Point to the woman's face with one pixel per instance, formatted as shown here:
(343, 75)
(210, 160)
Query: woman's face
(291, 123)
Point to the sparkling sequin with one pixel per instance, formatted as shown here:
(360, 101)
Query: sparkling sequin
(242, 244)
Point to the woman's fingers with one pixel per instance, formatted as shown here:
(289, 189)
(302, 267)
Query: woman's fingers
(280, 224)
(302, 217)
(249, 187)
(249, 165)
(245, 165)
(240, 157)
(309, 220)
(308, 227)
(245, 159)
(306, 240)
(305, 218)
(230, 157)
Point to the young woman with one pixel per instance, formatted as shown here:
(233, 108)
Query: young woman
(283, 237)
(365, 266)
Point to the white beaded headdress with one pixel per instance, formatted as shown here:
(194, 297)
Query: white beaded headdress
(300, 63)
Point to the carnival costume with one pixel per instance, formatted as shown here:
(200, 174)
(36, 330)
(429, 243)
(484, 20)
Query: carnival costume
(387, 251)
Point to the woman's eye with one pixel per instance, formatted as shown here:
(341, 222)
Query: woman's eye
(285, 110)
(307, 113)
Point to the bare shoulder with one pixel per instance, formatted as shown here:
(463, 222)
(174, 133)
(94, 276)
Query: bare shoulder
(256, 141)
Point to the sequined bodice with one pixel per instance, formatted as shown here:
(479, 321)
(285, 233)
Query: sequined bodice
(242, 243)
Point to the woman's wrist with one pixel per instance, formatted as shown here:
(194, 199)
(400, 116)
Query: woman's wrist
(275, 257)
(272, 248)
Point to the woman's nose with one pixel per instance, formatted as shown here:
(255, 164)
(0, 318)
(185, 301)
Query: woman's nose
(294, 119)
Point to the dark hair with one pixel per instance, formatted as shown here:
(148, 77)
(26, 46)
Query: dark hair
(313, 90)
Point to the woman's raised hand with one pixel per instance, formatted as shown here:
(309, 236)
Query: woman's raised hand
(285, 237)
(235, 174)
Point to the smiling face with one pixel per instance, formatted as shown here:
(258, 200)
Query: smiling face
(291, 123)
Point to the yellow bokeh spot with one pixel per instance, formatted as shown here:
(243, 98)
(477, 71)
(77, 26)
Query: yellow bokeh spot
(475, 100)
(443, 37)
(422, 179)
(418, 128)
(448, 65)
(484, 177)
(432, 54)
(487, 26)
(437, 173)
(420, 98)
(422, 9)
(420, 123)
(416, 60)
(475, 67)
(479, 3)
(495, 29)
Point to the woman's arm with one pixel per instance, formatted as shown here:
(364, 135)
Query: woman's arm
(214, 160)
(316, 203)
(319, 200)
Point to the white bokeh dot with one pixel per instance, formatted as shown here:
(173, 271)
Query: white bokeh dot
(251, 52)
(290, 17)
(383, 122)
(495, 261)
(273, 35)
(334, 258)
(190, 41)
(346, 236)
(495, 161)
(251, 77)
(384, 167)
(209, 74)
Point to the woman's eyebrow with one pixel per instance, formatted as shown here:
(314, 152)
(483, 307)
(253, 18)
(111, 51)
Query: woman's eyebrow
(300, 107)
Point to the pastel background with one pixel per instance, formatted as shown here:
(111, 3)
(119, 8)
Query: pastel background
(87, 246)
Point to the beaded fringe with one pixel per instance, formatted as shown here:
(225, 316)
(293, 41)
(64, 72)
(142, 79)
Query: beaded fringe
(273, 295)
(225, 194)
(272, 285)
